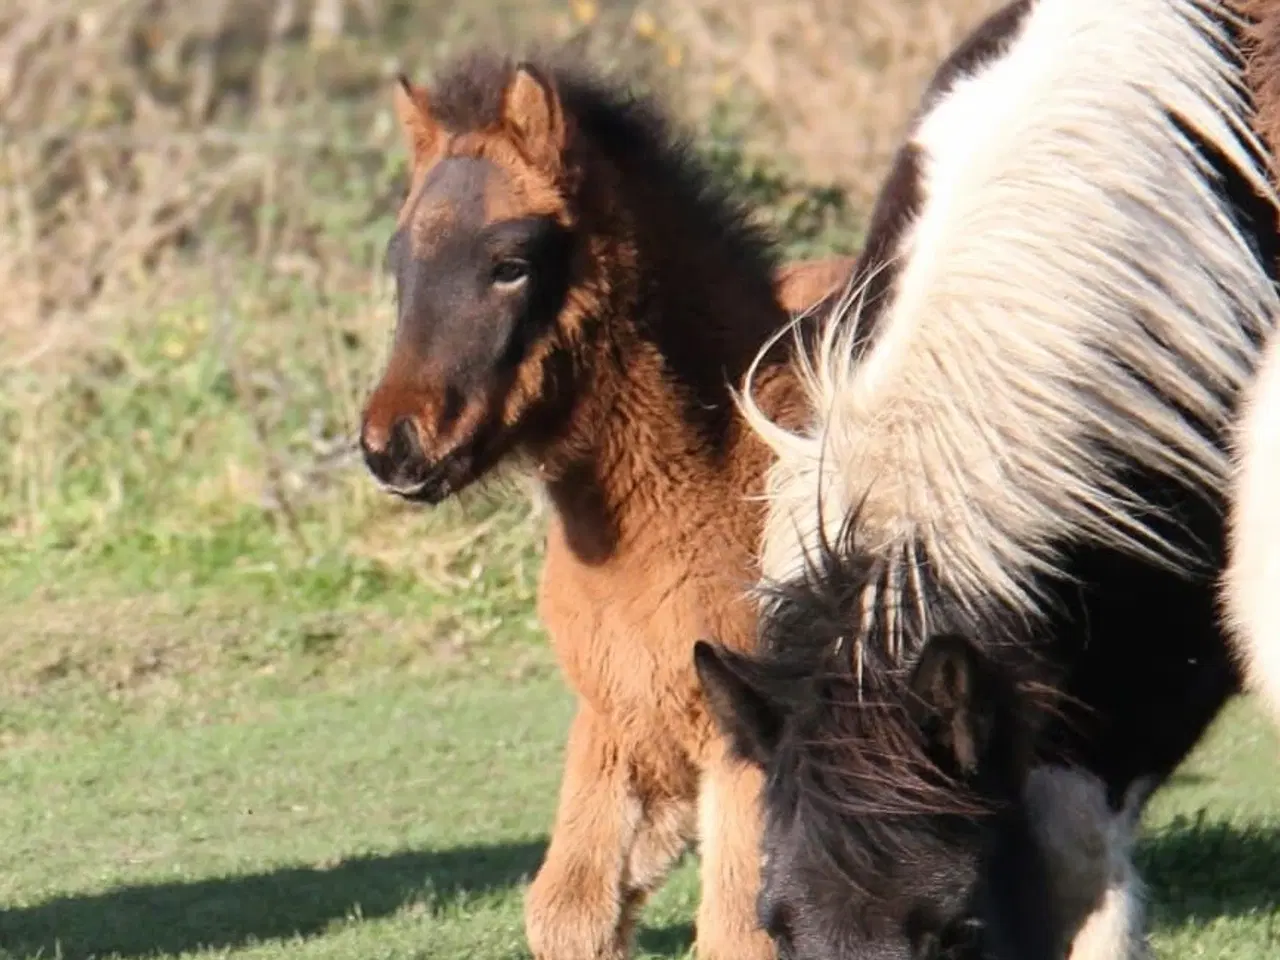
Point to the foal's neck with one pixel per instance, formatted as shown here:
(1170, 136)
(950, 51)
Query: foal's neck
(663, 452)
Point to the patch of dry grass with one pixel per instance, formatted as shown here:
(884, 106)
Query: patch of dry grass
(165, 656)
(195, 201)
(141, 134)
(831, 82)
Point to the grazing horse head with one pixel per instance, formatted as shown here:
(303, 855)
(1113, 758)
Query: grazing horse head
(895, 820)
(482, 257)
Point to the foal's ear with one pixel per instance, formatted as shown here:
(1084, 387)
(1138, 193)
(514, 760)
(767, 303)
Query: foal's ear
(417, 126)
(746, 717)
(963, 703)
(534, 116)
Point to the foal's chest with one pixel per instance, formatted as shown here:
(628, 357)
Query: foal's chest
(624, 629)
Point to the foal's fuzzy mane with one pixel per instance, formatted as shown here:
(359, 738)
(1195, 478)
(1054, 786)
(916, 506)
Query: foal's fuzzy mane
(1073, 304)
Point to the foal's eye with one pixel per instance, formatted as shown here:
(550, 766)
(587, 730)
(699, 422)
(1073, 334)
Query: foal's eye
(509, 273)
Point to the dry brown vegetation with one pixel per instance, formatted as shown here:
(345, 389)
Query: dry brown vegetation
(833, 81)
(195, 198)
(133, 128)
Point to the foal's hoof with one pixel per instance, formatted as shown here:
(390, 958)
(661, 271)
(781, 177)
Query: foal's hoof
(564, 925)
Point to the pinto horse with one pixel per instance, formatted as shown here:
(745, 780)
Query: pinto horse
(996, 541)
(577, 298)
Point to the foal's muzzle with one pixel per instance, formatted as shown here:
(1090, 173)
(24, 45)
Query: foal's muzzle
(399, 464)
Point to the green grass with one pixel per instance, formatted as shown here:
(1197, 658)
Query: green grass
(324, 808)
(1211, 848)
(376, 791)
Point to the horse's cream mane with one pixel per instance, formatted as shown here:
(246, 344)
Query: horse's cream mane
(1072, 279)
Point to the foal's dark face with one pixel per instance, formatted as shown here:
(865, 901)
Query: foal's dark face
(481, 259)
(864, 857)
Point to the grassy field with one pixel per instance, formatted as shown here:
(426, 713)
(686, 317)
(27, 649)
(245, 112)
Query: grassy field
(248, 705)
(365, 789)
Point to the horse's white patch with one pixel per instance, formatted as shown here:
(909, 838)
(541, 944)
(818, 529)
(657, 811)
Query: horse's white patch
(1251, 585)
(1071, 276)
(1114, 930)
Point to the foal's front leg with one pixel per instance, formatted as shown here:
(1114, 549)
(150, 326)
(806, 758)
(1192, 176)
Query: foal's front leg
(612, 843)
(574, 907)
(730, 826)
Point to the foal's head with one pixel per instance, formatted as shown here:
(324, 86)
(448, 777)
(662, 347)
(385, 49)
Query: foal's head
(894, 822)
(553, 220)
(481, 258)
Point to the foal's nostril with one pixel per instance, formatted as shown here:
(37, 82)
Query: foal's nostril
(377, 461)
(403, 447)
(401, 458)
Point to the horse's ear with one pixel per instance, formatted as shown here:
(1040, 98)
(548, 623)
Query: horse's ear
(962, 703)
(534, 116)
(413, 112)
(746, 717)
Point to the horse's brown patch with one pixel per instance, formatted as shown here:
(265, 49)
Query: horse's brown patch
(507, 197)
(876, 272)
(900, 198)
(985, 42)
(803, 285)
(396, 396)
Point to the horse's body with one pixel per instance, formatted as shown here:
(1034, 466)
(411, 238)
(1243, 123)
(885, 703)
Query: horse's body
(576, 299)
(1020, 434)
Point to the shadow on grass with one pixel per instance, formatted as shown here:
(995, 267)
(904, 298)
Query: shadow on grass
(1198, 869)
(166, 918)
